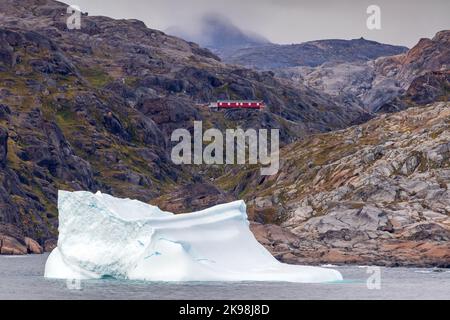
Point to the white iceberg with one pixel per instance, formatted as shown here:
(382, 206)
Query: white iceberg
(102, 236)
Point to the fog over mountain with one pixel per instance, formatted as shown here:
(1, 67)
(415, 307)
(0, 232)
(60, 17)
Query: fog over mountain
(218, 33)
(291, 21)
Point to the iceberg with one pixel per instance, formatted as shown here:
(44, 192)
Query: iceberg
(103, 236)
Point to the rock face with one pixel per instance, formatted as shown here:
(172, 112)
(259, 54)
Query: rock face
(11, 246)
(193, 196)
(374, 83)
(33, 246)
(93, 109)
(372, 194)
(3, 147)
(432, 86)
(12, 242)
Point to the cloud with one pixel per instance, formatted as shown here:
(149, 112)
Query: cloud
(291, 21)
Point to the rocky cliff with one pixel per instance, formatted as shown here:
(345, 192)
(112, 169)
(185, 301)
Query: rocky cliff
(374, 83)
(93, 109)
(377, 193)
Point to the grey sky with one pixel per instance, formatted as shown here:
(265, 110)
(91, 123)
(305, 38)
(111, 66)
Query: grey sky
(290, 21)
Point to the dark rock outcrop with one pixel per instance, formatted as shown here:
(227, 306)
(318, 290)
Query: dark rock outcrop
(5, 111)
(3, 147)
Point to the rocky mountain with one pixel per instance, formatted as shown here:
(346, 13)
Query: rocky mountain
(93, 109)
(219, 34)
(375, 83)
(377, 193)
(431, 86)
(310, 54)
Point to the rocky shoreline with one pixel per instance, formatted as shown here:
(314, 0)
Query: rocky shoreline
(13, 242)
(289, 248)
(381, 196)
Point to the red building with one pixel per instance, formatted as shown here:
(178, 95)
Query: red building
(237, 104)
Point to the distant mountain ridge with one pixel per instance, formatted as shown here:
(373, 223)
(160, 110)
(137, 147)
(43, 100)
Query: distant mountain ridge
(235, 46)
(312, 53)
(372, 84)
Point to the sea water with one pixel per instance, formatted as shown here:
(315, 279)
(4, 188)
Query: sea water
(21, 277)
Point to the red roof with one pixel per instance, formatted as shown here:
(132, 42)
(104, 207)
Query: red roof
(240, 104)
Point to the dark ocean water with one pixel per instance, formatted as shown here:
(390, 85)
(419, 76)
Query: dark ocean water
(22, 278)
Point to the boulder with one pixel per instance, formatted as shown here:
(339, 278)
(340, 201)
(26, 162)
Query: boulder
(33, 246)
(11, 246)
(410, 165)
(50, 244)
